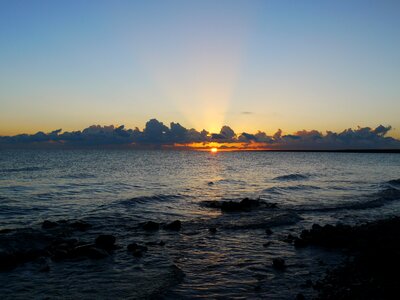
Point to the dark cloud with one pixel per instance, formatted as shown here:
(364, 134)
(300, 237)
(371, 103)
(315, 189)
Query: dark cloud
(156, 134)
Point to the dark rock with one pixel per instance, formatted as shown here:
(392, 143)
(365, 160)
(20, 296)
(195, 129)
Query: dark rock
(268, 231)
(175, 225)
(44, 268)
(89, 250)
(300, 296)
(80, 225)
(150, 225)
(279, 263)
(105, 241)
(289, 239)
(49, 224)
(160, 243)
(267, 244)
(134, 246)
(136, 249)
(212, 230)
(8, 261)
(210, 183)
(96, 253)
(299, 243)
(60, 254)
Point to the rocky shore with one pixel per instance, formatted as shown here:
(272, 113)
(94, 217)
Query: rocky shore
(369, 270)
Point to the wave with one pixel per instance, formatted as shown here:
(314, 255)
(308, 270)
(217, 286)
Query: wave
(25, 169)
(154, 198)
(284, 189)
(78, 176)
(380, 199)
(290, 177)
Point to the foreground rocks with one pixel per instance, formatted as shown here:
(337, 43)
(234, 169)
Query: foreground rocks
(372, 270)
(244, 205)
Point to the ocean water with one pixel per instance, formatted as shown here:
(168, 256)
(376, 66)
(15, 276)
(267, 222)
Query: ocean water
(117, 190)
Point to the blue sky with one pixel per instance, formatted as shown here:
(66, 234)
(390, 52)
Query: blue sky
(253, 65)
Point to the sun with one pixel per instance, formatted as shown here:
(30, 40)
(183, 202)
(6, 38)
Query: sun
(214, 150)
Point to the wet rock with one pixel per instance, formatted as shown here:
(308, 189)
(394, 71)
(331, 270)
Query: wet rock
(60, 254)
(89, 251)
(300, 296)
(268, 231)
(49, 224)
(160, 243)
(8, 261)
(151, 226)
(80, 225)
(244, 205)
(279, 263)
(105, 241)
(96, 253)
(175, 225)
(210, 183)
(289, 239)
(267, 244)
(212, 230)
(136, 249)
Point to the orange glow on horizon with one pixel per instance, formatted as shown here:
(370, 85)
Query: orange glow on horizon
(215, 147)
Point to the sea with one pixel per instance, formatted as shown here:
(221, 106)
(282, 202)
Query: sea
(118, 190)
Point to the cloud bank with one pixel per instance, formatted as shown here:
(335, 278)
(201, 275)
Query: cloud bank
(158, 135)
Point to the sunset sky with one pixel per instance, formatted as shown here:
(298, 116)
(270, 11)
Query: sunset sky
(252, 65)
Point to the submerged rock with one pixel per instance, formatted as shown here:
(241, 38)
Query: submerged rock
(279, 263)
(150, 226)
(136, 249)
(105, 241)
(175, 225)
(212, 230)
(80, 225)
(49, 224)
(268, 231)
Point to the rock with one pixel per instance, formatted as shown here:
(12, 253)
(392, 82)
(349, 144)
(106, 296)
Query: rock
(150, 225)
(210, 183)
(267, 244)
(289, 239)
(300, 296)
(212, 230)
(60, 254)
(105, 241)
(8, 261)
(134, 246)
(136, 249)
(96, 253)
(160, 243)
(279, 263)
(299, 243)
(89, 250)
(45, 268)
(49, 224)
(80, 225)
(175, 225)
(268, 231)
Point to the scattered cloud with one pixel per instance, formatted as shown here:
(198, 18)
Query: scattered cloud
(157, 134)
(247, 113)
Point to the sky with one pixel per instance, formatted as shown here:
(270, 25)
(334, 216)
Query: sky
(252, 65)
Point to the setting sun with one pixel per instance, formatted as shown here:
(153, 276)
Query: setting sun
(214, 150)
